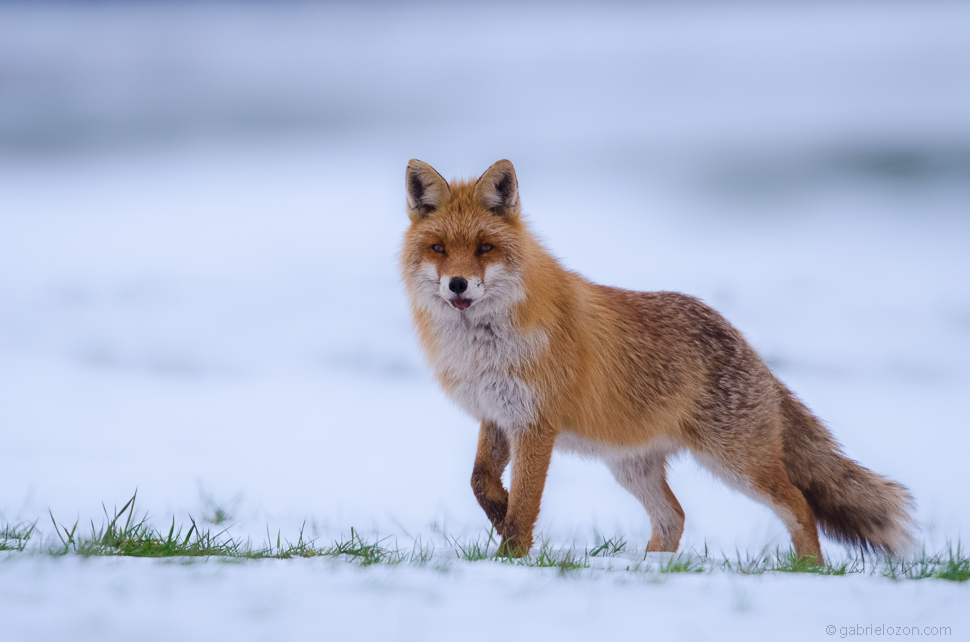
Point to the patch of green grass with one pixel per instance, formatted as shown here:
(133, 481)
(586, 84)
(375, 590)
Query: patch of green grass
(355, 548)
(217, 512)
(419, 553)
(608, 547)
(952, 564)
(549, 556)
(218, 515)
(284, 549)
(787, 562)
(14, 537)
(474, 551)
(956, 568)
(684, 563)
(126, 532)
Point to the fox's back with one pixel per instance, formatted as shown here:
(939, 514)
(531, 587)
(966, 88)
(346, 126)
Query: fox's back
(654, 364)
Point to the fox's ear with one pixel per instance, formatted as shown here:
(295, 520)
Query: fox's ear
(426, 188)
(499, 189)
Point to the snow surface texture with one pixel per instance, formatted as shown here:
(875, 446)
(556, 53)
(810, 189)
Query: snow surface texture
(200, 211)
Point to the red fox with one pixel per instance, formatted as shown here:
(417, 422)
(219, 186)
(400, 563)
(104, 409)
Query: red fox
(545, 360)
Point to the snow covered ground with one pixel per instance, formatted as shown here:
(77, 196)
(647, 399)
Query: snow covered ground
(137, 599)
(200, 210)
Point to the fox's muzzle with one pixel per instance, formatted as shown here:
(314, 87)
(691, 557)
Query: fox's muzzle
(458, 284)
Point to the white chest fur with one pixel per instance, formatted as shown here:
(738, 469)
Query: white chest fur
(479, 357)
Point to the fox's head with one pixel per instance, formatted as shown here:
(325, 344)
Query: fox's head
(464, 246)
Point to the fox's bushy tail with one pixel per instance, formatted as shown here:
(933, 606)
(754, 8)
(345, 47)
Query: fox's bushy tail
(851, 503)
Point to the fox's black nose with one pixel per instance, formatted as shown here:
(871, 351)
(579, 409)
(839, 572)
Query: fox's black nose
(457, 284)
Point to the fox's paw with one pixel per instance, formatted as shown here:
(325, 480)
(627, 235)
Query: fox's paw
(514, 544)
(656, 545)
(514, 548)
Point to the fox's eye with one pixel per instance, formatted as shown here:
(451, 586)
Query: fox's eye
(437, 247)
(487, 247)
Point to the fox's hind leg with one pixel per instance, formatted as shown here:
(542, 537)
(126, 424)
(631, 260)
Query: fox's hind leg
(771, 482)
(490, 462)
(645, 476)
(753, 462)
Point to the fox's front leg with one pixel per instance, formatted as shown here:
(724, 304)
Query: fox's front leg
(532, 451)
(490, 462)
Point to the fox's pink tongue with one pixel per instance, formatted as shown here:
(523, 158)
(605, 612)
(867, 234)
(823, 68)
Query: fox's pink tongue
(461, 303)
